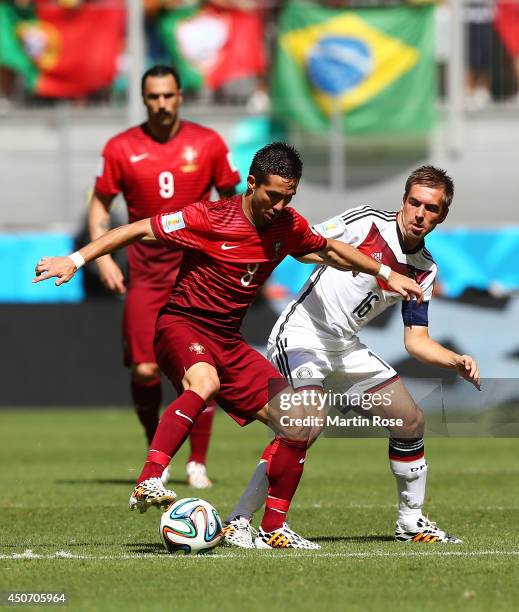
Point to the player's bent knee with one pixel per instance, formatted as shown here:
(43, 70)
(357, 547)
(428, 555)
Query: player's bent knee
(417, 422)
(412, 427)
(295, 416)
(298, 433)
(145, 372)
(202, 380)
(420, 419)
(208, 389)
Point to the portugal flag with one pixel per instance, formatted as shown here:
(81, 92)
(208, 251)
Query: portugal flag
(211, 46)
(63, 52)
(373, 66)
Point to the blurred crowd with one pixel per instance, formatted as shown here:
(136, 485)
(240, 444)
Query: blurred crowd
(492, 48)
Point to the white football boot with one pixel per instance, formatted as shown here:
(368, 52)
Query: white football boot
(239, 532)
(151, 492)
(425, 532)
(283, 537)
(197, 475)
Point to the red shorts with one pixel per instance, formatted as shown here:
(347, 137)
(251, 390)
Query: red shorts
(246, 377)
(141, 308)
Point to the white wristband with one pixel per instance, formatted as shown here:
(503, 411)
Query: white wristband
(384, 272)
(78, 259)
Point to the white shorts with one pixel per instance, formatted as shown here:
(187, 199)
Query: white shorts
(356, 370)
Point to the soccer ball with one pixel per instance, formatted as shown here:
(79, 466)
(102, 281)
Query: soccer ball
(190, 525)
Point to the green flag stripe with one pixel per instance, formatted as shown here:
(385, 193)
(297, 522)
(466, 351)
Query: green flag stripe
(12, 53)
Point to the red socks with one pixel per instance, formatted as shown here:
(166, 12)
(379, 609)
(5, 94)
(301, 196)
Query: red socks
(284, 471)
(147, 397)
(173, 429)
(200, 434)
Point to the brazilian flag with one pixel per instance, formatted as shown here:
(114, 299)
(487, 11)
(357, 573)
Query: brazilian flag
(373, 66)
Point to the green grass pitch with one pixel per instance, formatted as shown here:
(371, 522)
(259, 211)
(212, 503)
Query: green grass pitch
(66, 477)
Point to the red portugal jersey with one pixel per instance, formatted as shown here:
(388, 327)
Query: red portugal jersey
(156, 177)
(226, 258)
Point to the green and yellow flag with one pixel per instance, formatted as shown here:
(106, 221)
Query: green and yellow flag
(373, 66)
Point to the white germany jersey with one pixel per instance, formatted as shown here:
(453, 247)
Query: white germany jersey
(333, 305)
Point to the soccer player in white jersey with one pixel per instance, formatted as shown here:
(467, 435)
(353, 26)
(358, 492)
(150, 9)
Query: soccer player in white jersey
(316, 338)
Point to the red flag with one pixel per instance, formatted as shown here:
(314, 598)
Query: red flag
(74, 49)
(212, 46)
(242, 55)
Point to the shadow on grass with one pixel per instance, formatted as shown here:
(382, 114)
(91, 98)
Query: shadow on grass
(145, 547)
(55, 545)
(362, 539)
(111, 481)
(156, 547)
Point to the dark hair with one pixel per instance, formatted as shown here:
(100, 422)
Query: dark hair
(277, 158)
(160, 70)
(432, 177)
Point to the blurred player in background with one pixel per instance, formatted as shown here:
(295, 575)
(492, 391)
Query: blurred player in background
(230, 249)
(162, 165)
(315, 342)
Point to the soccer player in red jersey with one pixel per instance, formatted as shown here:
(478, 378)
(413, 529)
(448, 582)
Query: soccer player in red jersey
(161, 165)
(230, 248)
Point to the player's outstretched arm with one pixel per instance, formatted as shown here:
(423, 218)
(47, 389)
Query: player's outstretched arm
(64, 268)
(347, 258)
(421, 346)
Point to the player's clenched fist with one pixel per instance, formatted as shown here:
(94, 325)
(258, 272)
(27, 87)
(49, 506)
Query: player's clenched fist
(63, 268)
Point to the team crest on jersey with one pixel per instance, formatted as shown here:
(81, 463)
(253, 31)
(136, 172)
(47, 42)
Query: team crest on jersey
(173, 222)
(189, 155)
(197, 348)
(304, 372)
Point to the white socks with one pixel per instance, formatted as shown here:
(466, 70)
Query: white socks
(411, 477)
(254, 495)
